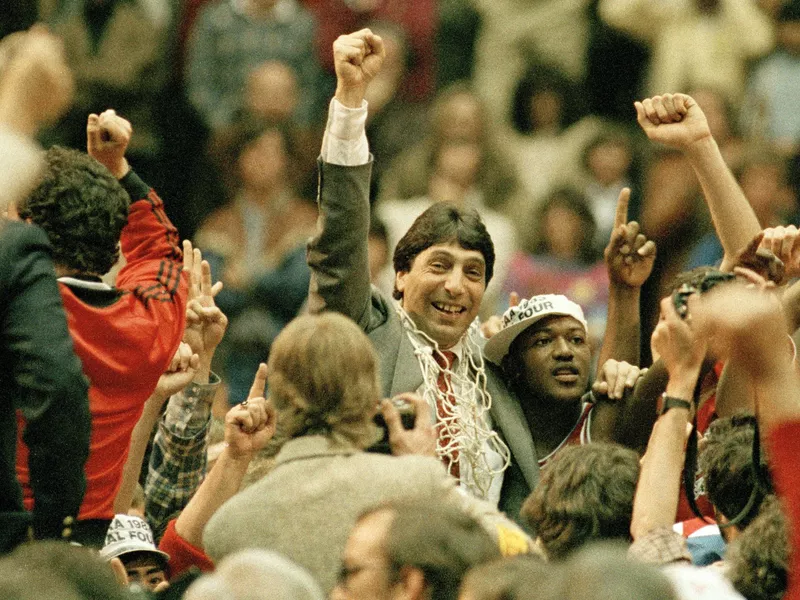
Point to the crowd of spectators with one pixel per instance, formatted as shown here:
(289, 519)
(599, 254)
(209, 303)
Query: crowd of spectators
(476, 299)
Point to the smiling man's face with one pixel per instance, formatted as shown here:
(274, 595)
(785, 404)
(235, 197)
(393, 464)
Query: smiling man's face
(442, 292)
(556, 358)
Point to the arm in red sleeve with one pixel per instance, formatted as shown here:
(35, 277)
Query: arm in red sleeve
(182, 554)
(784, 441)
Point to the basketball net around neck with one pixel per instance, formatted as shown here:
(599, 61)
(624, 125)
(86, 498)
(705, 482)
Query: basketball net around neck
(467, 404)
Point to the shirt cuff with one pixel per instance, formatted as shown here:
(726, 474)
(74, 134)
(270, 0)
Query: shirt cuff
(661, 546)
(192, 406)
(345, 140)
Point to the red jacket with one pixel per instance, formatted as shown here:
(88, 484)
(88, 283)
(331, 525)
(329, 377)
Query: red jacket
(125, 338)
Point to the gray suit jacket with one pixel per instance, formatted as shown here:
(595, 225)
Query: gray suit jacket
(305, 507)
(337, 256)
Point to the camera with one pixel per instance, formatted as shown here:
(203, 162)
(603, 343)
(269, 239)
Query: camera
(701, 285)
(408, 417)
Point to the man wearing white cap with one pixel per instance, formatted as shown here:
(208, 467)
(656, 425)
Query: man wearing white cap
(543, 350)
(130, 540)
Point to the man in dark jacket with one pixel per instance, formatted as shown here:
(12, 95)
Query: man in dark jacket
(41, 376)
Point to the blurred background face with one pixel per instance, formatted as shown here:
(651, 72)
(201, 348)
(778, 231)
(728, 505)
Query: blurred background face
(271, 92)
(365, 573)
(462, 119)
(563, 231)
(459, 162)
(546, 108)
(378, 254)
(764, 188)
(262, 163)
(609, 162)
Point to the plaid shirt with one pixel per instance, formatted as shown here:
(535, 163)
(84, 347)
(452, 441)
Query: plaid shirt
(178, 460)
(661, 546)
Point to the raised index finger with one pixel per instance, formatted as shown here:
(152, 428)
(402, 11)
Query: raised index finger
(621, 218)
(259, 382)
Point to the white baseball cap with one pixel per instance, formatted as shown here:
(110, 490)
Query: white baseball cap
(129, 534)
(518, 318)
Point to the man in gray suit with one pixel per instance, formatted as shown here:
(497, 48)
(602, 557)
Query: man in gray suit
(428, 341)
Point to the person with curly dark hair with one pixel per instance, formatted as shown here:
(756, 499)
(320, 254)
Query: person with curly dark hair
(82, 208)
(730, 480)
(126, 335)
(758, 561)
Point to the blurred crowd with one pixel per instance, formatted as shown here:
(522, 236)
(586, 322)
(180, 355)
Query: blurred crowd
(588, 169)
(522, 110)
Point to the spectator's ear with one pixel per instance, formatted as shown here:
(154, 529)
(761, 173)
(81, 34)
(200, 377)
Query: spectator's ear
(411, 583)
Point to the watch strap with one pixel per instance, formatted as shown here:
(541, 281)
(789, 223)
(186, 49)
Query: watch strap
(668, 402)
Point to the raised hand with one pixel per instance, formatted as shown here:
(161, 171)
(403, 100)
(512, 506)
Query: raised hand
(205, 322)
(629, 255)
(494, 324)
(37, 85)
(250, 426)
(107, 139)
(783, 243)
(357, 58)
(679, 346)
(179, 374)
(674, 120)
(614, 377)
(421, 440)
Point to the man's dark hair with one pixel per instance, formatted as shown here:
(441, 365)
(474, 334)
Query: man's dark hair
(727, 466)
(440, 540)
(758, 560)
(444, 223)
(82, 208)
(585, 493)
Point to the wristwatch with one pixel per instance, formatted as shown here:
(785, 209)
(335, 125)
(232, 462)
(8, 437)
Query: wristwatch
(666, 402)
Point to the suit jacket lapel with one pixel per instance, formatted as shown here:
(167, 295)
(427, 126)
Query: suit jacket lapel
(407, 374)
(509, 418)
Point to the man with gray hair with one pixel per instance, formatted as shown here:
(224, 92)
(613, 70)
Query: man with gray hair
(256, 574)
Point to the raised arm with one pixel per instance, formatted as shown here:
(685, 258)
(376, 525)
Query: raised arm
(629, 259)
(179, 374)
(337, 255)
(178, 460)
(682, 352)
(149, 241)
(677, 121)
(248, 428)
(153, 273)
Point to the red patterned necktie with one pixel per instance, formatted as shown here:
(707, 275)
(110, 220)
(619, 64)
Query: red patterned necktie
(445, 404)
